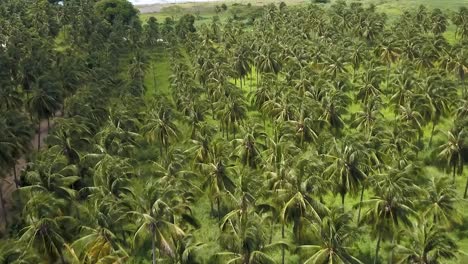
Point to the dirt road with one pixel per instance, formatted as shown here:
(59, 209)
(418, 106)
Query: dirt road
(8, 183)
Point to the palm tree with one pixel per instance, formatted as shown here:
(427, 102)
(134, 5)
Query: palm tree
(11, 98)
(347, 168)
(267, 61)
(44, 102)
(248, 149)
(333, 235)
(370, 85)
(46, 235)
(218, 181)
(242, 63)
(67, 134)
(366, 120)
(452, 152)
(389, 52)
(336, 65)
(440, 202)
(15, 141)
(437, 99)
(96, 244)
(245, 235)
(333, 107)
(137, 68)
(232, 111)
(427, 244)
(387, 210)
(155, 217)
(457, 62)
(160, 128)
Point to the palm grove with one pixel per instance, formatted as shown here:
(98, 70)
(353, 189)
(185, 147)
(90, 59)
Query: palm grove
(297, 135)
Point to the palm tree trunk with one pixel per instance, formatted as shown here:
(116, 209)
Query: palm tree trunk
(454, 170)
(271, 232)
(256, 71)
(154, 77)
(62, 259)
(4, 210)
(377, 248)
(388, 74)
(39, 137)
(432, 133)
(15, 176)
(360, 203)
(343, 199)
(390, 260)
(218, 208)
(153, 245)
(282, 236)
(466, 188)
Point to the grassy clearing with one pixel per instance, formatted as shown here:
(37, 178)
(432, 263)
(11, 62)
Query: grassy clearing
(157, 78)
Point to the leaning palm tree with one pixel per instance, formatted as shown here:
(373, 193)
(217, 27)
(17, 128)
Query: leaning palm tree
(333, 236)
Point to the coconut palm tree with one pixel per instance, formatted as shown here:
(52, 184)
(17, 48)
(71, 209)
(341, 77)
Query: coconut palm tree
(245, 235)
(155, 218)
(333, 235)
(451, 151)
(440, 202)
(387, 211)
(428, 243)
(347, 168)
(160, 128)
(46, 235)
(218, 181)
(44, 102)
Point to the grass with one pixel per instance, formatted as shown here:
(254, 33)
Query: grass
(157, 79)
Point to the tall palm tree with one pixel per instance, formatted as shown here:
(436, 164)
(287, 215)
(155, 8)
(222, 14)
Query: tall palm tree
(245, 235)
(218, 181)
(333, 235)
(440, 202)
(155, 217)
(43, 102)
(46, 235)
(387, 210)
(427, 244)
(389, 52)
(452, 152)
(160, 128)
(347, 168)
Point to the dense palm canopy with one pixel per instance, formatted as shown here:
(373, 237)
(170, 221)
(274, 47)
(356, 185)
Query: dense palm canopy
(277, 134)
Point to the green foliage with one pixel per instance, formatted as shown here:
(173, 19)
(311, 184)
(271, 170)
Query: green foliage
(116, 11)
(285, 134)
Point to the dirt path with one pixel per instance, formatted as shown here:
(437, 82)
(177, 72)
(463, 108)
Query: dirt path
(8, 183)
